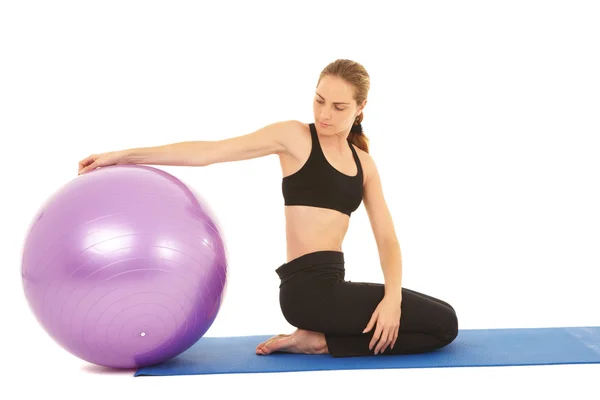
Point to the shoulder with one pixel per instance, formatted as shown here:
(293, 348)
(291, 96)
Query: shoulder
(286, 133)
(292, 125)
(367, 163)
(292, 129)
(295, 136)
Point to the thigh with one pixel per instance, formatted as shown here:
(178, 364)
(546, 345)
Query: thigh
(413, 292)
(351, 306)
(424, 313)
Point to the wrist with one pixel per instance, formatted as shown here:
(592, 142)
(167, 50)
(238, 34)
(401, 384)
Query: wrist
(393, 294)
(128, 156)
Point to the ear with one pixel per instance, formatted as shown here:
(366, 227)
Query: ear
(361, 108)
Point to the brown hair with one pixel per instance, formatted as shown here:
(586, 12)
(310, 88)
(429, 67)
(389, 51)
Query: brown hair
(356, 75)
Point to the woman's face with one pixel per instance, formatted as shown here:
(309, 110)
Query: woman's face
(334, 106)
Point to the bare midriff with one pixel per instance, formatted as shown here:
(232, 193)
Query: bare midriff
(310, 229)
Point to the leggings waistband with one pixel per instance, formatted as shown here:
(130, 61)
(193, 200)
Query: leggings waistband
(331, 257)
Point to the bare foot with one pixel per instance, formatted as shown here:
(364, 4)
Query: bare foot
(274, 338)
(299, 342)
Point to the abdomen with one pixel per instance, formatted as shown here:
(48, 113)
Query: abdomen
(310, 229)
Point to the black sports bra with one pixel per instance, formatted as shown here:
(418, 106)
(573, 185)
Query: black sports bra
(319, 184)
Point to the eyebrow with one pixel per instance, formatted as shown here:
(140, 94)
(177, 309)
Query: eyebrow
(338, 102)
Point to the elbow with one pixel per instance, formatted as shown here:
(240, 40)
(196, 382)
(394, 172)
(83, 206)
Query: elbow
(202, 154)
(387, 242)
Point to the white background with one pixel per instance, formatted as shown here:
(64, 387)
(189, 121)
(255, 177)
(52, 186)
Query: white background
(483, 119)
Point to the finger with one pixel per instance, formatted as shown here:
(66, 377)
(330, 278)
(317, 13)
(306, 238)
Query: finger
(88, 168)
(376, 336)
(395, 339)
(384, 342)
(369, 326)
(391, 338)
(371, 323)
(86, 161)
(374, 339)
(84, 166)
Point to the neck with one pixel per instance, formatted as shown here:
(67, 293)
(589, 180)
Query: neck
(338, 142)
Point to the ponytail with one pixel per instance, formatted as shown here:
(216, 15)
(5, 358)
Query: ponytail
(357, 136)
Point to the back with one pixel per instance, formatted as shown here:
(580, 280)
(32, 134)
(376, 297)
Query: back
(321, 188)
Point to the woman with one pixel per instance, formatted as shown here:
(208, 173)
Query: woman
(327, 173)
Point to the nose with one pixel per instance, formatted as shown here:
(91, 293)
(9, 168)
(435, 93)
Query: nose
(325, 115)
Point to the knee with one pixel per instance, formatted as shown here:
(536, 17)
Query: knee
(449, 327)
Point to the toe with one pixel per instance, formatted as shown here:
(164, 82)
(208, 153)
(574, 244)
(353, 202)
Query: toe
(280, 344)
(271, 345)
(272, 339)
(265, 342)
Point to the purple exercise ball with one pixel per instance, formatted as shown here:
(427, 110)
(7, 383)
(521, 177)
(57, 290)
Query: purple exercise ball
(125, 266)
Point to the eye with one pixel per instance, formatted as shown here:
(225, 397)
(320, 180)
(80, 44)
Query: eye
(322, 102)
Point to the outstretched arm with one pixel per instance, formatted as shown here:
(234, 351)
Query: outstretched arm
(271, 139)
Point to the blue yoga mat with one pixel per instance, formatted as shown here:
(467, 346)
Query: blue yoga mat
(472, 348)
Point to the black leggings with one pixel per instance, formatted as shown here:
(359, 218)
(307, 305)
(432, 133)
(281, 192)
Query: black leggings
(315, 296)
